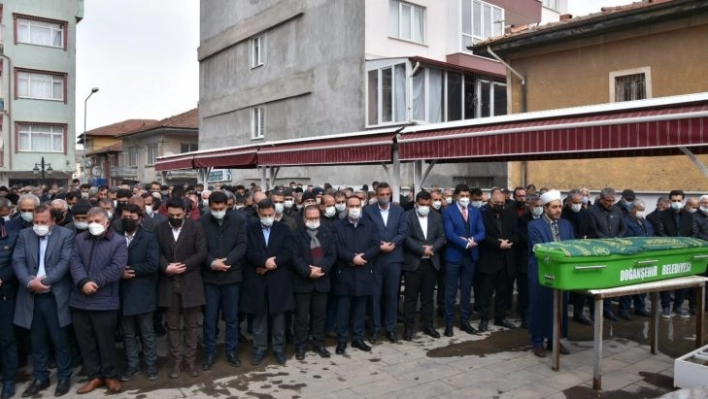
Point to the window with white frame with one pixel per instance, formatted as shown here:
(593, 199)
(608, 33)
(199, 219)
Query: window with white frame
(630, 84)
(387, 95)
(43, 33)
(40, 86)
(552, 4)
(258, 50)
(151, 153)
(258, 123)
(40, 138)
(132, 156)
(407, 21)
(480, 21)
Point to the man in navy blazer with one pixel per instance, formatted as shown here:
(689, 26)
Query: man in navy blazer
(464, 230)
(391, 224)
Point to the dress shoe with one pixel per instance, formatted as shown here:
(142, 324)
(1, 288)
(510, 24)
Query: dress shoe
(35, 387)
(430, 331)
(113, 385)
(467, 327)
(191, 370)
(361, 345)
(505, 323)
(129, 373)
(258, 357)
(280, 357)
(90, 385)
(209, 363)
(563, 350)
(62, 387)
(300, 352)
(448, 331)
(539, 351)
(483, 325)
(407, 333)
(341, 347)
(175, 371)
(642, 312)
(321, 350)
(582, 319)
(610, 315)
(374, 339)
(391, 335)
(625, 315)
(151, 373)
(233, 360)
(8, 390)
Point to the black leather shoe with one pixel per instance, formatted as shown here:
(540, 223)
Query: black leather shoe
(300, 353)
(8, 390)
(391, 335)
(642, 312)
(610, 315)
(341, 347)
(483, 325)
(467, 327)
(430, 331)
(361, 345)
(448, 331)
(208, 364)
(407, 333)
(539, 351)
(233, 360)
(258, 357)
(374, 339)
(625, 315)
(35, 387)
(151, 373)
(129, 373)
(280, 357)
(582, 319)
(504, 323)
(321, 350)
(62, 387)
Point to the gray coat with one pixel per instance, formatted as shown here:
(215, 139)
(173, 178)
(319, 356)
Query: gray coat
(25, 263)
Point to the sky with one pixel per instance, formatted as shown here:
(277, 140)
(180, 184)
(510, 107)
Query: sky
(142, 55)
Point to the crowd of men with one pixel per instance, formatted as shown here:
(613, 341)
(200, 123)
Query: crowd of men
(294, 264)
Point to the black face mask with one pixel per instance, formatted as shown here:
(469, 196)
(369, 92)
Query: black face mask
(129, 225)
(57, 215)
(175, 222)
(498, 208)
(520, 204)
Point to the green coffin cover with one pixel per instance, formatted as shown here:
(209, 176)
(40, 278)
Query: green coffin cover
(606, 263)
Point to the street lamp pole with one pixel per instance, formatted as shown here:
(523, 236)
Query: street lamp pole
(83, 163)
(42, 167)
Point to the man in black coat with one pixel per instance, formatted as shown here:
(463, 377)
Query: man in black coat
(138, 293)
(497, 261)
(268, 290)
(226, 239)
(534, 210)
(578, 216)
(8, 292)
(314, 254)
(421, 252)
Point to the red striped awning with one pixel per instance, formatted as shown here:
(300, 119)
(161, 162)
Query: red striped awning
(354, 148)
(232, 158)
(641, 131)
(175, 162)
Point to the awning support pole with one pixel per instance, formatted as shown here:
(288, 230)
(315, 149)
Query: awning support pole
(417, 176)
(396, 178)
(695, 160)
(273, 175)
(388, 172)
(262, 170)
(427, 172)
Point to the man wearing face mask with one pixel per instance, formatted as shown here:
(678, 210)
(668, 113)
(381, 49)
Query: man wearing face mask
(108, 207)
(267, 287)
(464, 230)
(625, 203)
(150, 212)
(519, 197)
(80, 223)
(8, 292)
(391, 224)
(314, 253)
(477, 199)
(289, 203)
(437, 203)
(329, 212)
(60, 212)
(533, 202)
(448, 197)
(425, 239)
(701, 217)
(280, 216)
(85, 190)
(226, 239)
(577, 215)
(676, 222)
(180, 288)
(26, 206)
(5, 210)
(637, 226)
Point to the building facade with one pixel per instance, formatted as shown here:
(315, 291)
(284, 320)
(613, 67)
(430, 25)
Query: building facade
(289, 69)
(38, 78)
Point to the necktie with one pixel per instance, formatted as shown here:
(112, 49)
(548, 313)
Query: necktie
(464, 213)
(556, 232)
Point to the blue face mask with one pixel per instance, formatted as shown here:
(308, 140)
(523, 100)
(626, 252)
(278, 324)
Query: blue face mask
(628, 205)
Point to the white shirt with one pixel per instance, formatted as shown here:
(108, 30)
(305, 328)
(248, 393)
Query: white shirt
(176, 231)
(384, 214)
(423, 220)
(41, 271)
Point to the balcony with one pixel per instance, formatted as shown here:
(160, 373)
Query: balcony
(125, 172)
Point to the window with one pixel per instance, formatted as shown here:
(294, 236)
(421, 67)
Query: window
(552, 4)
(407, 21)
(188, 147)
(387, 95)
(42, 32)
(132, 156)
(40, 138)
(480, 21)
(491, 98)
(258, 51)
(151, 153)
(258, 123)
(40, 86)
(630, 85)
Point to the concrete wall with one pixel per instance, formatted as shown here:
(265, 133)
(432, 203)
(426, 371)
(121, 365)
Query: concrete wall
(577, 73)
(26, 110)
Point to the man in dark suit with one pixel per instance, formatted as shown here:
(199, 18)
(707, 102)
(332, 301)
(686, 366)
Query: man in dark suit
(150, 210)
(676, 222)
(464, 230)
(637, 226)
(391, 224)
(497, 261)
(268, 291)
(8, 292)
(578, 216)
(25, 211)
(314, 254)
(425, 239)
(138, 291)
(180, 288)
(226, 239)
(534, 210)
(41, 263)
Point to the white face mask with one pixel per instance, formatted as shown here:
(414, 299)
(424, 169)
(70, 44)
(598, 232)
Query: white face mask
(576, 207)
(218, 215)
(27, 216)
(676, 206)
(115, 203)
(81, 225)
(279, 207)
(267, 221)
(288, 204)
(340, 207)
(84, 195)
(448, 200)
(148, 209)
(704, 209)
(640, 215)
(110, 214)
(423, 210)
(691, 210)
(437, 204)
(537, 211)
(239, 207)
(330, 211)
(354, 213)
(96, 229)
(312, 225)
(477, 204)
(464, 202)
(41, 230)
